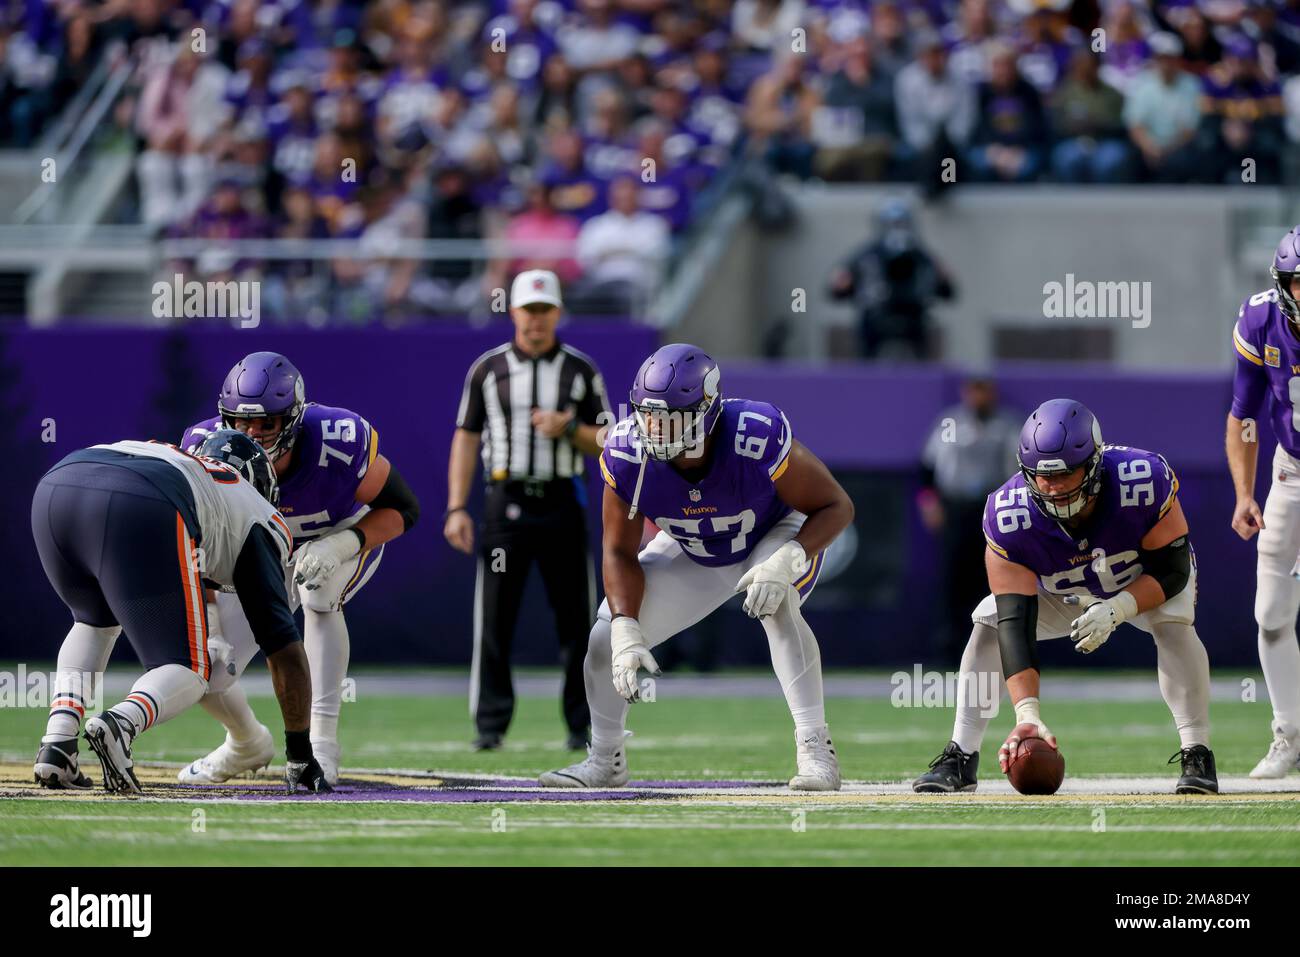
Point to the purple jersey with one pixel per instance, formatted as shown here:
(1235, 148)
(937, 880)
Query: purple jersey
(1101, 556)
(719, 519)
(334, 451)
(1268, 363)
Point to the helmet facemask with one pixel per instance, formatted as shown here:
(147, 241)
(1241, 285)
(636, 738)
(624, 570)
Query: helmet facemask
(1290, 307)
(666, 433)
(1068, 504)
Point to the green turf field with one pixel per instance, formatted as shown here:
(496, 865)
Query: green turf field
(734, 739)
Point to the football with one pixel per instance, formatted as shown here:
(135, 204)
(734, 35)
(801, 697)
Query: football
(1037, 768)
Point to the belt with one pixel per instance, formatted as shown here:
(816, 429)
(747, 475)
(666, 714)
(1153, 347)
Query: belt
(533, 487)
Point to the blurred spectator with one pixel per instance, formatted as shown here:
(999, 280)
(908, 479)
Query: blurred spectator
(779, 115)
(1088, 117)
(1162, 111)
(936, 110)
(1011, 133)
(224, 216)
(890, 49)
(574, 189)
(623, 252)
(666, 185)
(969, 453)
(1200, 48)
(1241, 118)
(294, 289)
(766, 26)
(854, 126)
(1047, 46)
(970, 39)
(180, 110)
(450, 284)
(540, 222)
(1126, 51)
(893, 281)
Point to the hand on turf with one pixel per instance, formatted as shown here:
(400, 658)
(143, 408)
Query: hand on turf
(316, 561)
(308, 774)
(1021, 732)
(765, 585)
(628, 653)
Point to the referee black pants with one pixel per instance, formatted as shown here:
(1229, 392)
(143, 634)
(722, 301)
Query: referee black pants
(547, 529)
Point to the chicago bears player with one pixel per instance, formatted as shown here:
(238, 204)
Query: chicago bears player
(343, 501)
(1082, 539)
(1266, 342)
(741, 506)
(129, 535)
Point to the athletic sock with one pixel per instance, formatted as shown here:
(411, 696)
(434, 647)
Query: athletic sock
(1279, 656)
(231, 708)
(325, 636)
(797, 662)
(1184, 672)
(158, 696)
(981, 669)
(83, 656)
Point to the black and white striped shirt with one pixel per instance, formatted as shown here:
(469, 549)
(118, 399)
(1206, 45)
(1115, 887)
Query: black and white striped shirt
(502, 388)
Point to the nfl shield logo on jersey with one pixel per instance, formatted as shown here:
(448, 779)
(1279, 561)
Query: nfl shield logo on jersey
(695, 495)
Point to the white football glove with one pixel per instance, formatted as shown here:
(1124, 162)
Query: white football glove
(1091, 629)
(766, 583)
(628, 653)
(316, 561)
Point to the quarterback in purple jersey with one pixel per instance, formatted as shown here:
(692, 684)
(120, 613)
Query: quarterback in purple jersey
(1083, 538)
(343, 501)
(1266, 343)
(741, 506)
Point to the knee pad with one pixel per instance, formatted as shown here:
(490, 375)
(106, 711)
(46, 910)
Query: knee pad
(1274, 636)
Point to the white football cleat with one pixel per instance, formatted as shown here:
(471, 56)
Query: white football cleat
(231, 760)
(597, 771)
(1282, 754)
(819, 768)
(327, 756)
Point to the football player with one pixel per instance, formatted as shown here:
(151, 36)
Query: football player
(741, 506)
(129, 535)
(343, 501)
(1082, 539)
(1266, 342)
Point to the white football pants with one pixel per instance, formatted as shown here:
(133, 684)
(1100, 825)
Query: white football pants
(679, 593)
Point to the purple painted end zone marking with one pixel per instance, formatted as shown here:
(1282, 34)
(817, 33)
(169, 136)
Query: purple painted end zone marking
(451, 796)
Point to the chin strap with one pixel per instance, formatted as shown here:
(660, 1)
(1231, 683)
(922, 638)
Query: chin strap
(640, 477)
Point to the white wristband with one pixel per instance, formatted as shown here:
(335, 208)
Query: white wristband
(1027, 711)
(1125, 605)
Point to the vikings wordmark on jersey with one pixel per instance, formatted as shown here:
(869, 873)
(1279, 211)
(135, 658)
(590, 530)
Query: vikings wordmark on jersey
(1101, 558)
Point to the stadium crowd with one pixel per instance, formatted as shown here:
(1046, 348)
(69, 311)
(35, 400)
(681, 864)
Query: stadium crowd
(603, 126)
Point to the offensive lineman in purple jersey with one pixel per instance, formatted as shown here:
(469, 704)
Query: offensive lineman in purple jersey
(1087, 526)
(741, 506)
(343, 502)
(1267, 346)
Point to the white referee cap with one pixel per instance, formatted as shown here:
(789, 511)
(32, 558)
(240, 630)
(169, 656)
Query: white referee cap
(535, 285)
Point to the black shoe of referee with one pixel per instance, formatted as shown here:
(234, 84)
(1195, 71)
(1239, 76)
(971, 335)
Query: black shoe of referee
(1199, 776)
(953, 770)
(487, 742)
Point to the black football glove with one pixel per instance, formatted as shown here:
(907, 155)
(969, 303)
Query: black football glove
(302, 768)
(308, 774)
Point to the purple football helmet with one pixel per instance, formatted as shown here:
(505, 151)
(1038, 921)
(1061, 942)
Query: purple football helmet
(677, 397)
(265, 384)
(1060, 436)
(1286, 262)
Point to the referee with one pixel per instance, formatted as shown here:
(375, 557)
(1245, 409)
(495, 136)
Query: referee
(533, 407)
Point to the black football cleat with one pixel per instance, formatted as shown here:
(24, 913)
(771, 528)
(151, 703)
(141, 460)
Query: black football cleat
(577, 741)
(954, 770)
(56, 767)
(487, 742)
(109, 736)
(1199, 776)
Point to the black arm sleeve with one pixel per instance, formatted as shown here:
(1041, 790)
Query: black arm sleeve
(1018, 633)
(260, 583)
(397, 495)
(1170, 565)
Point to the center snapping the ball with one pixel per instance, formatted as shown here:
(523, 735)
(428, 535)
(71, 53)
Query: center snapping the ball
(1037, 768)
